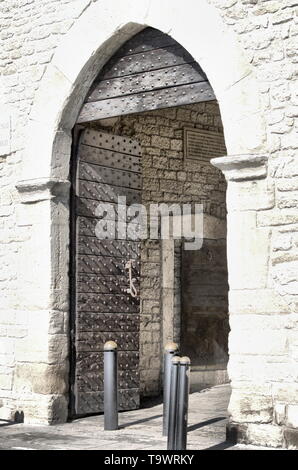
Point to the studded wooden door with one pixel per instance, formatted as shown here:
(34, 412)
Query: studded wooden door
(107, 166)
(150, 71)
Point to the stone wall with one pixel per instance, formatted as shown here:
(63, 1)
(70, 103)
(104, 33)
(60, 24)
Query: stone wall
(30, 33)
(171, 178)
(248, 50)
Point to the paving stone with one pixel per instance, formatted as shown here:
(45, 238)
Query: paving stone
(138, 429)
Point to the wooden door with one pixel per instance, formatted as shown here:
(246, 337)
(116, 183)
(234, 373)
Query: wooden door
(107, 166)
(150, 71)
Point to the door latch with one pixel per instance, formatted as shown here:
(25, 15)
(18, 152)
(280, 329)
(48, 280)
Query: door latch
(132, 288)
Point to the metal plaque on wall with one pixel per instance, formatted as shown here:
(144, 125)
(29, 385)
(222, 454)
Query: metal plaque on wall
(202, 145)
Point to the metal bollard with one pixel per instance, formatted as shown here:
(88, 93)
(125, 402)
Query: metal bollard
(182, 404)
(173, 403)
(110, 386)
(170, 350)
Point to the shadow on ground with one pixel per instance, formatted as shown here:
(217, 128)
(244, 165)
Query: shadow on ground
(139, 421)
(221, 446)
(205, 423)
(4, 422)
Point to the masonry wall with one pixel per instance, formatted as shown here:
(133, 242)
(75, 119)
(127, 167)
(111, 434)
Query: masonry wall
(171, 178)
(263, 298)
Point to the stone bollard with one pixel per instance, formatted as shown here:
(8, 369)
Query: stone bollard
(173, 403)
(182, 404)
(170, 351)
(110, 386)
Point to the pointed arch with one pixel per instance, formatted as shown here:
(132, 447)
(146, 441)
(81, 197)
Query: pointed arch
(94, 38)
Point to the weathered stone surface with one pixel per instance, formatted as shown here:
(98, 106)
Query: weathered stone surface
(40, 379)
(265, 369)
(292, 416)
(250, 409)
(250, 195)
(248, 251)
(43, 84)
(257, 301)
(266, 435)
(44, 409)
(277, 217)
(285, 392)
(291, 439)
(242, 167)
(252, 341)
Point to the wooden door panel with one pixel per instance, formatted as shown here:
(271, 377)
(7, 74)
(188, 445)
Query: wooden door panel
(106, 192)
(150, 71)
(108, 166)
(92, 402)
(102, 303)
(94, 383)
(110, 176)
(93, 362)
(109, 158)
(108, 322)
(94, 341)
(115, 248)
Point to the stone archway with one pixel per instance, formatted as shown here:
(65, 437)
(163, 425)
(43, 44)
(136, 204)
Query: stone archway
(44, 187)
(70, 74)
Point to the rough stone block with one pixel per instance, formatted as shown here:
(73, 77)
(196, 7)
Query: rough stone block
(265, 369)
(6, 381)
(247, 407)
(257, 301)
(277, 217)
(58, 348)
(33, 348)
(7, 346)
(286, 392)
(292, 416)
(250, 195)
(258, 342)
(248, 251)
(160, 142)
(267, 435)
(44, 409)
(41, 379)
(291, 438)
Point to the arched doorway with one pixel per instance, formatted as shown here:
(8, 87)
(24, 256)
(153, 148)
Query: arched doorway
(146, 132)
(44, 181)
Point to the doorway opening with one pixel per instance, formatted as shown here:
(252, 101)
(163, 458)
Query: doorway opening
(150, 150)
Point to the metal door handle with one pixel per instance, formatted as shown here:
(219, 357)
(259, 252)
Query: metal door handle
(132, 289)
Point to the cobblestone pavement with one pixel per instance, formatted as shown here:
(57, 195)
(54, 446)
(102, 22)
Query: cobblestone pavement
(139, 429)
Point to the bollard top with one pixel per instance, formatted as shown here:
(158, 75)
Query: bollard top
(185, 360)
(171, 347)
(176, 360)
(110, 346)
